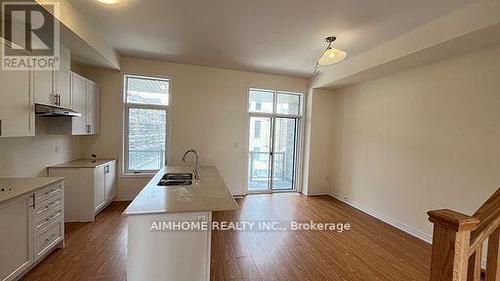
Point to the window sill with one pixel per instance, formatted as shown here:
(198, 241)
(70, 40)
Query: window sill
(139, 176)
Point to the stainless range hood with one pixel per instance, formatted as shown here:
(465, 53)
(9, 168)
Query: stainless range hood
(44, 110)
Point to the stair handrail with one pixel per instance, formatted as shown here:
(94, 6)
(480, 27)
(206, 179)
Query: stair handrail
(458, 239)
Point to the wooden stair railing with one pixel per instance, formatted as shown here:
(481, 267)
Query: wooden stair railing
(457, 243)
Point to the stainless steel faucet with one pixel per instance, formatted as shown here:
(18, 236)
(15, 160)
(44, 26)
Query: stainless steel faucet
(197, 165)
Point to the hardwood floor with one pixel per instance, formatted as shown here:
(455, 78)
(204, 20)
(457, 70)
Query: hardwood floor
(94, 251)
(372, 250)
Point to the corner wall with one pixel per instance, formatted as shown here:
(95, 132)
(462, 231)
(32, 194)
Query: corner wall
(421, 139)
(319, 145)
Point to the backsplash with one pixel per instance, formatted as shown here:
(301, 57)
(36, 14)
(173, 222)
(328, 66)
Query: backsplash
(29, 156)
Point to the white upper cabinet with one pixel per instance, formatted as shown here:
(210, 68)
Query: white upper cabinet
(17, 116)
(79, 98)
(85, 100)
(44, 81)
(54, 87)
(21, 89)
(93, 108)
(62, 88)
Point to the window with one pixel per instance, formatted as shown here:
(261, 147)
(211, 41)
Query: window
(145, 112)
(261, 101)
(288, 103)
(258, 106)
(257, 130)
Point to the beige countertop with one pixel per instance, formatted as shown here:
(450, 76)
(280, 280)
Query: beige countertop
(209, 194)
(83, 163)
(14, 187)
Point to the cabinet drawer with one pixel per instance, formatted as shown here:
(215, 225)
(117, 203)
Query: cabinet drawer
(48, 192)
(45, 221)
(46, 240)
(48, 205)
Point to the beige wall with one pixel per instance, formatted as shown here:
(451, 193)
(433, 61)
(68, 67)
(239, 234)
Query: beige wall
(421, 139)
(207, 113)
(319, 179)
(29, 157)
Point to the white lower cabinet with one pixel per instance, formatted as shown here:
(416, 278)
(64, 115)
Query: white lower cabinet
(32, 225)
(16, 237)
(88, 189)
(48, 219)
(100, 188)
(110, 181)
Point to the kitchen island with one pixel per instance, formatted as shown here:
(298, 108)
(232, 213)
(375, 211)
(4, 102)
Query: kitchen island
(169, 227)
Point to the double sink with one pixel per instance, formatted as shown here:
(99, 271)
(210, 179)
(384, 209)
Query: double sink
(176, 179)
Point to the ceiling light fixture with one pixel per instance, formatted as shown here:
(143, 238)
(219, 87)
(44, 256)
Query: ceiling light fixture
(109, 2)
(331, 55)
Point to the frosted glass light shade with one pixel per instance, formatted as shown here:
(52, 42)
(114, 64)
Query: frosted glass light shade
(332, 56)
(109, 2)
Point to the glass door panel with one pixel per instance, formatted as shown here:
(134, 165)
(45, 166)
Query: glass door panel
(259, 157)
(284, 153)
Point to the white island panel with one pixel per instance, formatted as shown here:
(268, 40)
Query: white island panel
(167, 255)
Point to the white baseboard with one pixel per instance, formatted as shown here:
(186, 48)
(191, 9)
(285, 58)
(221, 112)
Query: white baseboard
(374, 213)
(397, 224)
(317, 194)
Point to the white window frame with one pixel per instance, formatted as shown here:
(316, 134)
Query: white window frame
(126, 172)
(300, 136)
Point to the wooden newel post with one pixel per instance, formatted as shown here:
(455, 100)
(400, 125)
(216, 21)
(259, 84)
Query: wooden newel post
(450, 244)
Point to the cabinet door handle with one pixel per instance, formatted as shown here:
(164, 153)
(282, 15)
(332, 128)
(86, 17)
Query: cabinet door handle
(0, 127)
(33, 201)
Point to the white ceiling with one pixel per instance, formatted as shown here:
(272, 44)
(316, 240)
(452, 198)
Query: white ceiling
(272, 36)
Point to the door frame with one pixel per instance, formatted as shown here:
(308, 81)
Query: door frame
(299, 139)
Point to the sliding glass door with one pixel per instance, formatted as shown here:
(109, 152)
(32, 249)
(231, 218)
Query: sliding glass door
(274, 126)
(284, 151)
(259, 157)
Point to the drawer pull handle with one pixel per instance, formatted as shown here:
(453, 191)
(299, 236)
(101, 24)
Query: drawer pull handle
(55, 215)
(50, 238)
(51, 191)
